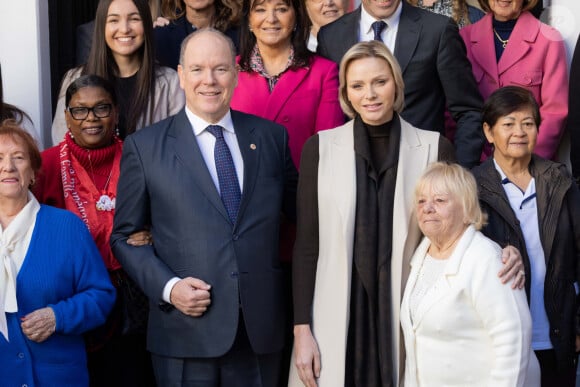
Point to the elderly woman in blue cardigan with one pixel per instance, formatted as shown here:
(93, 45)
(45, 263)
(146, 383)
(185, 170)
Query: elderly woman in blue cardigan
(53, 283)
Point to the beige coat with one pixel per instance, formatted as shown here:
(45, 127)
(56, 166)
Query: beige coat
(169, 99)
(336, 208)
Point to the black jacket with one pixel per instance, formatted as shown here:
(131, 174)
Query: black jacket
(558, 203)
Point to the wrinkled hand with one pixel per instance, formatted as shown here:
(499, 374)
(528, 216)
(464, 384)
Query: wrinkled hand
(160, 22)
(513, 267)
(191, 296)
(140, 238)
(306, 355)
(39, 325)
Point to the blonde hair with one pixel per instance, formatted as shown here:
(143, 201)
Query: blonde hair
(457, 182)
(372, 49)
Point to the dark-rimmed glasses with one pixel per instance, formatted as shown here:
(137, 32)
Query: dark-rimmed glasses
(100, 111)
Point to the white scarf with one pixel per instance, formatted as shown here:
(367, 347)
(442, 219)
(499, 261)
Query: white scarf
(14, 242)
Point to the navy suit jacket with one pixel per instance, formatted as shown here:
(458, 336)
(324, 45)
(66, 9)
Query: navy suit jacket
(435, 70)
(165, 184)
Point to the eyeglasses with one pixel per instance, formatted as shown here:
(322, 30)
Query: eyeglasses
(99, 111)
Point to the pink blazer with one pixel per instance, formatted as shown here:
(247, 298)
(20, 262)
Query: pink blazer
(534, 58)
(305, 101)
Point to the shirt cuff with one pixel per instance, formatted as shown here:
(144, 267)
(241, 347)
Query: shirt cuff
(168, 287)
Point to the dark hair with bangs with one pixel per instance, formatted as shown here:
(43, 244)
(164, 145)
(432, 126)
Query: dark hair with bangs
(507, 100)
(298, 38)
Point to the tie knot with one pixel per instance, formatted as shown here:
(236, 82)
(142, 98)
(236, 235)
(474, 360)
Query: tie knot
(216, 130)
(378, 27)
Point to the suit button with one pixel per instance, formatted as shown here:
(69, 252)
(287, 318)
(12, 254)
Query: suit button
(234, 274)
(236, 237)
(21, 355)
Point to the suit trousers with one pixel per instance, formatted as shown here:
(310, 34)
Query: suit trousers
(239, 367)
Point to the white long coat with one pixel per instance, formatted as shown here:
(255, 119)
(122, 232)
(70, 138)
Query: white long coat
(469, 329)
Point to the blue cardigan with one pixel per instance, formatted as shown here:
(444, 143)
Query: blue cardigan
(64, 270)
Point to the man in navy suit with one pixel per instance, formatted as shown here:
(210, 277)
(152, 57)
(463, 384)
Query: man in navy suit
(433, 59)
(211, 184)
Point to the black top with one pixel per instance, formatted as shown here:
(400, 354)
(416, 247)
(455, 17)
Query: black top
(125, 88)
(504, 30)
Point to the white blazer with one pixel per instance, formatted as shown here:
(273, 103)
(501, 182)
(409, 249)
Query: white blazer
(469, 329)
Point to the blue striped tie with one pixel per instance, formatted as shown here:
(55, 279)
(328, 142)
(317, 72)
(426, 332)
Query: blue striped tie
(226, 171)
(378, 27)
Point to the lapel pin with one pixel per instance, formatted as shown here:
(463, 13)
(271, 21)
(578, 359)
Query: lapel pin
(253, 146)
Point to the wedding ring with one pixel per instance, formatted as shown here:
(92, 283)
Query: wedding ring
(523, 273)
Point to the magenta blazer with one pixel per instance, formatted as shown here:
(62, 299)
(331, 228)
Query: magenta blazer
(304, 100)
(534, 58)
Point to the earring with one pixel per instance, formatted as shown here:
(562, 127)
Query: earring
(294, 29)
(70, 134)
(117, 131)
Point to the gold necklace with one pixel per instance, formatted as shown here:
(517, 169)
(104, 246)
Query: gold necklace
(503, 42)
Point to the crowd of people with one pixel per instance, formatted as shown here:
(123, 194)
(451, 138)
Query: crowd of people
(284, 193)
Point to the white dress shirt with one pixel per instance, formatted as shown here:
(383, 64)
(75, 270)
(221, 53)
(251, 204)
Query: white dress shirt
(206, 142)
(389, 34)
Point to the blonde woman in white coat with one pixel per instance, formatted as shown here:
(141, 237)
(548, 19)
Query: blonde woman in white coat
(461, 326)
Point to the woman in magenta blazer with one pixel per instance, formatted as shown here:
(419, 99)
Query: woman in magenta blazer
(509, 46)
(279, 78)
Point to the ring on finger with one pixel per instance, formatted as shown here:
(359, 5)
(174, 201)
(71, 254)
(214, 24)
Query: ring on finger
(522, 273)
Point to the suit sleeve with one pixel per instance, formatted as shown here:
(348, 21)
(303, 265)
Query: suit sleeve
(554, 103)
(132, 214)
(290, 182)
(329, 114)
(305, 258)
(463, 99)
(573, 124)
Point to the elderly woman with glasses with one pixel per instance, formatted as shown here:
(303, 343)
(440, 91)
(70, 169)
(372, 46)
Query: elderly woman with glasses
(80, 174)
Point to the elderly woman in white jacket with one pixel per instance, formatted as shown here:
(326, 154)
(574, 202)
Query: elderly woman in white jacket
(461, 326)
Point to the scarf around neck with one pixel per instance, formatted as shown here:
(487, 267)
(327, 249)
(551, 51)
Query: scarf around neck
(95, 207)
(14, 242)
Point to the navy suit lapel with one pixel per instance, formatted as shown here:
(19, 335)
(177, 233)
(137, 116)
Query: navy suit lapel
(188, 153)
(407, 35)
(351, 30)
(249, 144)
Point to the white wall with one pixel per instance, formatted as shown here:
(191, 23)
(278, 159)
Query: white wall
(25, 59)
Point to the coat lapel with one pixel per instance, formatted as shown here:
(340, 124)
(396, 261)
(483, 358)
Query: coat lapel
(349, 31)
(483, 47)
(407, 35)
(344, 172)
(188, 153)
(520, 42)
(444, 283)
(283, 91)
(250, 148)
